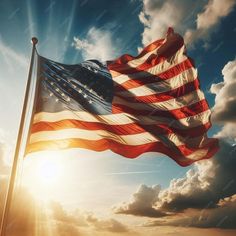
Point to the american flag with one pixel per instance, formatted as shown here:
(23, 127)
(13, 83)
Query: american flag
(131, 105)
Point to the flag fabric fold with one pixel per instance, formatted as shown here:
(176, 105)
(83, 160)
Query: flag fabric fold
(131, 105)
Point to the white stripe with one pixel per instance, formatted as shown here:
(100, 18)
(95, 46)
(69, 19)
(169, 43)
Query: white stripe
(162, 86)
(198, 155)
(132, 139)
(124, 119)
(176, 59)
(168, 105)
(137, 62)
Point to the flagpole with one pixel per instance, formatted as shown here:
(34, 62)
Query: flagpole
(18, 144)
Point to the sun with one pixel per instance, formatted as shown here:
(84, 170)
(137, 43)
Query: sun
(48, 171)
(43, 174)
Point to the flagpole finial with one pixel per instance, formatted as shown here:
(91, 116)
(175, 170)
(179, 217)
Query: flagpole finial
(34, 40)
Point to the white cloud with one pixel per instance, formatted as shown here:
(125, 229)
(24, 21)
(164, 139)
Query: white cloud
(158, 15)
(213, 12)
(224, 110)
(98, 44)
(110, 225)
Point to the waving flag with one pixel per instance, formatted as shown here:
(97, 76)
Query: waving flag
(132, 105)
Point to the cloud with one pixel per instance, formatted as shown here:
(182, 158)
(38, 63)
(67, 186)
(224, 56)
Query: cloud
(98, 44)
(61, 216)
(209, 18)
(142, 203)
(224, 109)
(204, 185)
(158, 15)
(223, 216)
(110, 225)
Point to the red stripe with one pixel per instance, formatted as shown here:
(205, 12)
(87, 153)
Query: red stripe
(176, 114)
(161, 97)
(133, 128)
(126, 57)
(168, 74)
(166, 50)
(178, 154)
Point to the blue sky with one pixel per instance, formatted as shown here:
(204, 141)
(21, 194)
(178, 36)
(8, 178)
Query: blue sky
(72, 31)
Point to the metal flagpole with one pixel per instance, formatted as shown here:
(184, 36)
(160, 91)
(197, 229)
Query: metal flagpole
(18, 144)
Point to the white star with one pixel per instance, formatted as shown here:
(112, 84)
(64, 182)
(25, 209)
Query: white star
(50, 94)
(57, 89)
(51, 83)
(80, 91)
(90, 101)
(62, 94)
(57, 99)
(68, 99)
(85, 95)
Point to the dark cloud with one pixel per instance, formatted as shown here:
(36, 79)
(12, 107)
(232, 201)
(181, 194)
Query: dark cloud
(223, 216)
(142, 203)
(205, 185)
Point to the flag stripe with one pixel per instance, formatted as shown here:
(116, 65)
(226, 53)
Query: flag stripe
(164, 96)
(132, 128)
(132, 139)
(126, 58)
(161, 52)
(145, 88)
(177, 103)
(126, 150)
(156, 65)
(124, 118)
(132, 81)
(180, 113)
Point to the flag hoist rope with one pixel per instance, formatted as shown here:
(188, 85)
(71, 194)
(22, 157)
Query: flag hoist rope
(18, 144)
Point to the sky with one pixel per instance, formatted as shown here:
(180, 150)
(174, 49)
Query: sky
(81, 192)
